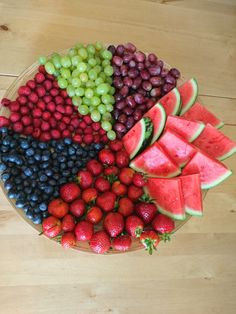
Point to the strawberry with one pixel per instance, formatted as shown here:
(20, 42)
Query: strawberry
(102, 184)
(164, 225)
(126, 206)
(68, 223)
(112, 170)
(69, 192)
(100, 242)
(84, 231)
(146, 211)
(150, 240)
(68, 240)
(89, 195)
(134, 225)
(139, 180)
(126, 176)
(122, 159)
(106, 157)
(85, 179)
(106, 201)
(113, 224)
(134, 193)
(51, 226)
(118, 188)
(116, 145)
(94, 167)
(77, 207)
(122, 243)
(58, 208)
(94, 215)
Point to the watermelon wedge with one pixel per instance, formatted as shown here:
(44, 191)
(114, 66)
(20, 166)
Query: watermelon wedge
(168, 196)
(154, 162)
(176, 147)
(171, 102)
(215, 143)
(191, 186)
(158, 117)
(189, 130)
(199, 113)
(188, 93)
(212, 172)
(138, 137)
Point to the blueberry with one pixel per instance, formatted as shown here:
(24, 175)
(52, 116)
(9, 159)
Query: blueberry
(29, 152)
(20, 203)
(48, 189)
(6, 141)
(31, 161)
(26, 207)
(48, 172)
(45, 214)
(43, 178)
(44, 165)
(66, 173)
(5, 176)
(24, 144)
(56, 176)
(36, 209)
(37, 157)
(70, 164)
(78, 163)
(34, 144)
(34, 197)
(67, 141)
(33, 203)
(60, 147)
(35, 168)
(43, 145)
(37, 219)
(4, 130)
(92, 154)
(15, 171)
(28, 190)
(12, 193)
(44, 197)
(13, 144)
(4, 148)
(8, 185)
(33, 183)
(62, 181)
(85, 153)
(29, 214)
(45, 157)
(74, 171)
(52, 182)
(54, 156)
(18, 181)
(28, 172)
(42, 185)
(43, 206)
(19, 161)
(98, 146)
(74, 157)
(55, 194)
(63, 166)
(3, 167)
(61, 158)
(71, 151)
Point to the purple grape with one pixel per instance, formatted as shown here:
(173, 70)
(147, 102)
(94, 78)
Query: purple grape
(124, 91)
(156, 92)
(152, 58)
(156, 81)
(128, 111)
(139, 98)
(167, 88)
(164, 72)
(130, 47)
(119, 135)
(175, 72)
(170, 79)
(116, 70)
(154, 70)
(139, 56)
(112, 49)
(118, 97)
(118, 61)
(140, 66)
(124, 70)
(145, 75)
(128, 81)
(142, 108)
(133, 73)
(120, 127)
(122, 118)
(120, 104)
(131, 102)
(118, 83)
(147, 64)
(137, 82)
(137, 114)
(116, 114)
(130, 122)
(160, 63)
(142, 91)
(132, 64)
(127, 57)
(147, 86)
(150, 103)
(120, 50)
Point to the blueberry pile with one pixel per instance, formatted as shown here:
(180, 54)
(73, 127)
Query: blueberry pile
(32, 171)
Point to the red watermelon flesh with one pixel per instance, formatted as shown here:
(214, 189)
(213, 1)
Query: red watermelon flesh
(158, 117)
(154, 162)
(168, 196)
(212, 172)
(199, 113)
(171, 102)
(191, 186)
(215, 143)
(188, 93)
(188, 130)
(177, 148)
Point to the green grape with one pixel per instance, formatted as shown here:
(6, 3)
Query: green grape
(56, 73)
(106, 125)
(79, 45)
(99, 45)
(107, 116)
(102, 89)
(49, 67)
(56, 59)
(91, 49)
(108, 70)
(95, 116)
(65, 61)
(42, 59)
(86, 101)
(65, 73)
(83, 53)
(105, 62)
(99, 81)
(73, 52)
(98, 60)
(62, 83)
(103, 76)
(109, 80)
(106, 54)
(106, 99)
(76, 100)
(83, 77)
(91, 108)
(95, 101)
(92, 74)
(75, 73)
(76, 60)
(97, 68)
(79, 91)
(109, 107)
(70, 90)
(92, 62)
(82, 67)
(102, 108)
(89, 93)
(112, 90)
(83, 109)
(90, 84)
(76, 82)
(111, 135)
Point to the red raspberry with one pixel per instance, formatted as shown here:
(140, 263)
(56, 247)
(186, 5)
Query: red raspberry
(36, 133)
(82, 125)
(41, 91)
(88, 139)
(51, 106)
(58, 115)
(54, 92)
(55, 84)
(68, 110)
(64, 93)
(96, 138)
(24, 91)
(87, 119)
(50, 77)
(39, 78)
(104, 139)
(33, 97)
(41, 69)
(37, 113)
(36, 122)
(18, 127)
(79, 131)
(45, 136)
(61, 126)
(24, 110)
(55, 134)
(5, 121)
(45, 126)
(88, 130)
(30, 105)
(14, 117)
(23, 100)
(31, 84)
(47, 98)
(69, 102)
(60, 108)
(14, 106)
(59, 100)
(71, 128)
(46, 115)
(5, 102)
(28, 130)
(66, 120)
(41, 104)
(102, 132)
(47, 85)
(26, 120)
(96, 126)
(74, 122)
(77, 138)
(66, 133)
(53, 122)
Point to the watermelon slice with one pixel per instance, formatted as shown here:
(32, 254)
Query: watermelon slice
(138, 137)
(155, 163)
(177, 148)
(168, 196)
(188, 130)
(212, 172)
(188, 93)
(158, 117)
(191, 186)
(215, 143)
(171, 102)
(199, 113)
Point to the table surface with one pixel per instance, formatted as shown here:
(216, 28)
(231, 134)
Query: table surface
(196, 270)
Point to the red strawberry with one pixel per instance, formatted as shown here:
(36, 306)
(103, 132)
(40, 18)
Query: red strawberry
(122, 159)
(106, 201)
(51, 226)
(85, 179)
(146, 211)
(134, 225)
(126, 176)
(89, 195)
(68, 223)
(112, 170)
(126, 206)
(69, 192)
(113, 224)
(100, 242)
(77, 207)
(58, 208)
(118, 188)
(150, 240)
(84, 231)
(134, 193)
(94, 215)
(164, 225)
(102, 184)
(106, 156)
(122, 243)
(139, 180)
(68, 240)
(94, 167)
(116, 145)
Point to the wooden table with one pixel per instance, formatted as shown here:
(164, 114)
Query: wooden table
(195, 273)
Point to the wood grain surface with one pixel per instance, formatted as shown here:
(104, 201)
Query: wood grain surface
(194, 273)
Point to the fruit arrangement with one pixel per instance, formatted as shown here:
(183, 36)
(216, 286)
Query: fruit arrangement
(105, 149)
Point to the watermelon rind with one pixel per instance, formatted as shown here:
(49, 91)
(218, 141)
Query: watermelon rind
(177, 106)
(198, 132)
(172, 175)
(231, 152)
(193, 212)
(206, 186)
(157, 131)
(220, 125)
(169, 214)
(186, 107)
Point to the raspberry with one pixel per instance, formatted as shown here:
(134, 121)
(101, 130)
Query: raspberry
(41, 104)
(17, 127)
(36, 122)
(24, 110)
(58, 115)
(14, 117)
(47, 98)
(61, 126)
(30, 105)
(77, 138)
(64, 93)
(41, 69)
(55, 84)
(87, 119)
(36, 133)
(104, 138)
(39, 78)
(75, 122)
(82, 125)
(45, 136)
(22, 100)
(71, 128)
(55, 134)
(79, 131)
(88, 130)
(46, 115)
(4, 121)
(45, 126)
(68, 110)
(88, 139)
(5, 102)
(50, 77)
(60, 108)
(14, 106)
(26, 120)
(66, 120)
(33, 97)
(37, 113)
(24, 91)
(69, 102)
(96, 138)
(51, 106)
(31, 84)
(47, 85)
(59, 100)
(41, 91)
(66, 133)
(53, 122)
(54, 92)
(96, 126)
(28, 130)
(102, 132)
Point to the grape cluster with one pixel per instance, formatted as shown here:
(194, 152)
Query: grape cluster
(140, 80)
(33, 171)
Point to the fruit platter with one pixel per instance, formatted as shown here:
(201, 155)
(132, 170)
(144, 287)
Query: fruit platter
(107, 149)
